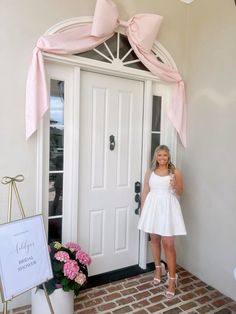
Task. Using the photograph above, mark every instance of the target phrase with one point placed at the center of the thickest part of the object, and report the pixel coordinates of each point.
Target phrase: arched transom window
(116, 50)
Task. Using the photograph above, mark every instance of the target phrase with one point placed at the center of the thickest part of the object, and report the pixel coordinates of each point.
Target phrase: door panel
(107, 227)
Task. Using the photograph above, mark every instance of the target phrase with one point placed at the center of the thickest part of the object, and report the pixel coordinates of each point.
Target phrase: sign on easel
(24, 256)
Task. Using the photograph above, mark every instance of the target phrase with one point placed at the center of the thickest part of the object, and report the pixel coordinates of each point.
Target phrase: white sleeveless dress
(161, 213)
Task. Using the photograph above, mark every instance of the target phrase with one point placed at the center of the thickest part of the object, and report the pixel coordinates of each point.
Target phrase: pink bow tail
(177, 111)
(36, 93)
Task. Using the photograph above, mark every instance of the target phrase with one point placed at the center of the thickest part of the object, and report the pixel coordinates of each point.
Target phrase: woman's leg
(169, 248)
(156, 253)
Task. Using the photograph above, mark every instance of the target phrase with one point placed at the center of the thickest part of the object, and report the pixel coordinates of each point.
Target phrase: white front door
(111, 113)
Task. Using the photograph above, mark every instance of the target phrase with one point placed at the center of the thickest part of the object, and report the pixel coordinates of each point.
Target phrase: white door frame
(152, 86)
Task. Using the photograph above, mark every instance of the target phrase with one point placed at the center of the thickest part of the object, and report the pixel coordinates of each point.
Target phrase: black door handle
(137, 190)
(137, 199)
(137, 187)
(112, 142)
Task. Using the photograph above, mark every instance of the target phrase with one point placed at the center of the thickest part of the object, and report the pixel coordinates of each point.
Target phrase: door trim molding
(152, 85)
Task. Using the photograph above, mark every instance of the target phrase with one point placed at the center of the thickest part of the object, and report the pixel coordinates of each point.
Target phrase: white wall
(21, 24)
(208, 163)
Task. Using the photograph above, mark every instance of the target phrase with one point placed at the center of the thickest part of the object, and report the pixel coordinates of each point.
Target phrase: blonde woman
(161, 214)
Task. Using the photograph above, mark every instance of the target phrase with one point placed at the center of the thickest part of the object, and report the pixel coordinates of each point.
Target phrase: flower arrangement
(69, 266)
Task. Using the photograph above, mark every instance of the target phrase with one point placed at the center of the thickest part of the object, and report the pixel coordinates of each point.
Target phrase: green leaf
(57, 266)
(66, 288)
(76, 291)
(50, 286)
(65, 281)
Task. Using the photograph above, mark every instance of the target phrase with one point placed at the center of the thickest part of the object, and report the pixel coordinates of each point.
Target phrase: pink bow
(143, 28)
(141, 31)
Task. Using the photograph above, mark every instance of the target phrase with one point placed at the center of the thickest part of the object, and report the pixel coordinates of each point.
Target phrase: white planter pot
(62, 302)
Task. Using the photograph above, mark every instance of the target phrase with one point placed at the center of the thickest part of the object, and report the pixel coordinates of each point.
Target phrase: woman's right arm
(146, 187)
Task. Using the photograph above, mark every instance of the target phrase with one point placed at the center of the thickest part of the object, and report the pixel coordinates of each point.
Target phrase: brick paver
(139, 295)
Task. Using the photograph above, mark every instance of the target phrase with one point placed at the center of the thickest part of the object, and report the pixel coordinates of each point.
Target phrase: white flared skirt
(162, 215)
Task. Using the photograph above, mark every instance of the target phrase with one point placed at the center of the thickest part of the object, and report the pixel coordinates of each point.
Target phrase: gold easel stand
(12, 186)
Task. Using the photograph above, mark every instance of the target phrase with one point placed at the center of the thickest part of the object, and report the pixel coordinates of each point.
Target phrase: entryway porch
(138, 295)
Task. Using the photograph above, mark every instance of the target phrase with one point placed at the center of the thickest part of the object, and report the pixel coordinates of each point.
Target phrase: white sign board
(24, 256)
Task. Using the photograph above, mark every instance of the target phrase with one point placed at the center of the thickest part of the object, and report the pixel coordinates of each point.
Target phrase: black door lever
(137, 190)
(112, 142)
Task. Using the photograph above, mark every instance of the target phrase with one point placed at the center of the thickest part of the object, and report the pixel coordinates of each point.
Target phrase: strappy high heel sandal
(156, 280)
(170, 294)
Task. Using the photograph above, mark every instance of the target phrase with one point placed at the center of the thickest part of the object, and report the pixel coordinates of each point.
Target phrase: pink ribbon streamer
(141, 31)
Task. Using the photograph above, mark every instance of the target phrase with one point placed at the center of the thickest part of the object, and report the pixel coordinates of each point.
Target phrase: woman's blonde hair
(154, 165)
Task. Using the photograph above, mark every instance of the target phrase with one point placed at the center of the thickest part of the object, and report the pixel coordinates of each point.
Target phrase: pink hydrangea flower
(71, 269)
(80, 278)
(62, 256)
(83, 257)
(73, 246)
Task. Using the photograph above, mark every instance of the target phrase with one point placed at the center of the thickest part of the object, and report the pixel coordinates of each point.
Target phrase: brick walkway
(139, 295)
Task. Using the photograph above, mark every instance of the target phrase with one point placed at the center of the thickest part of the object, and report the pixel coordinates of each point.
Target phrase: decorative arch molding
(71, 23)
